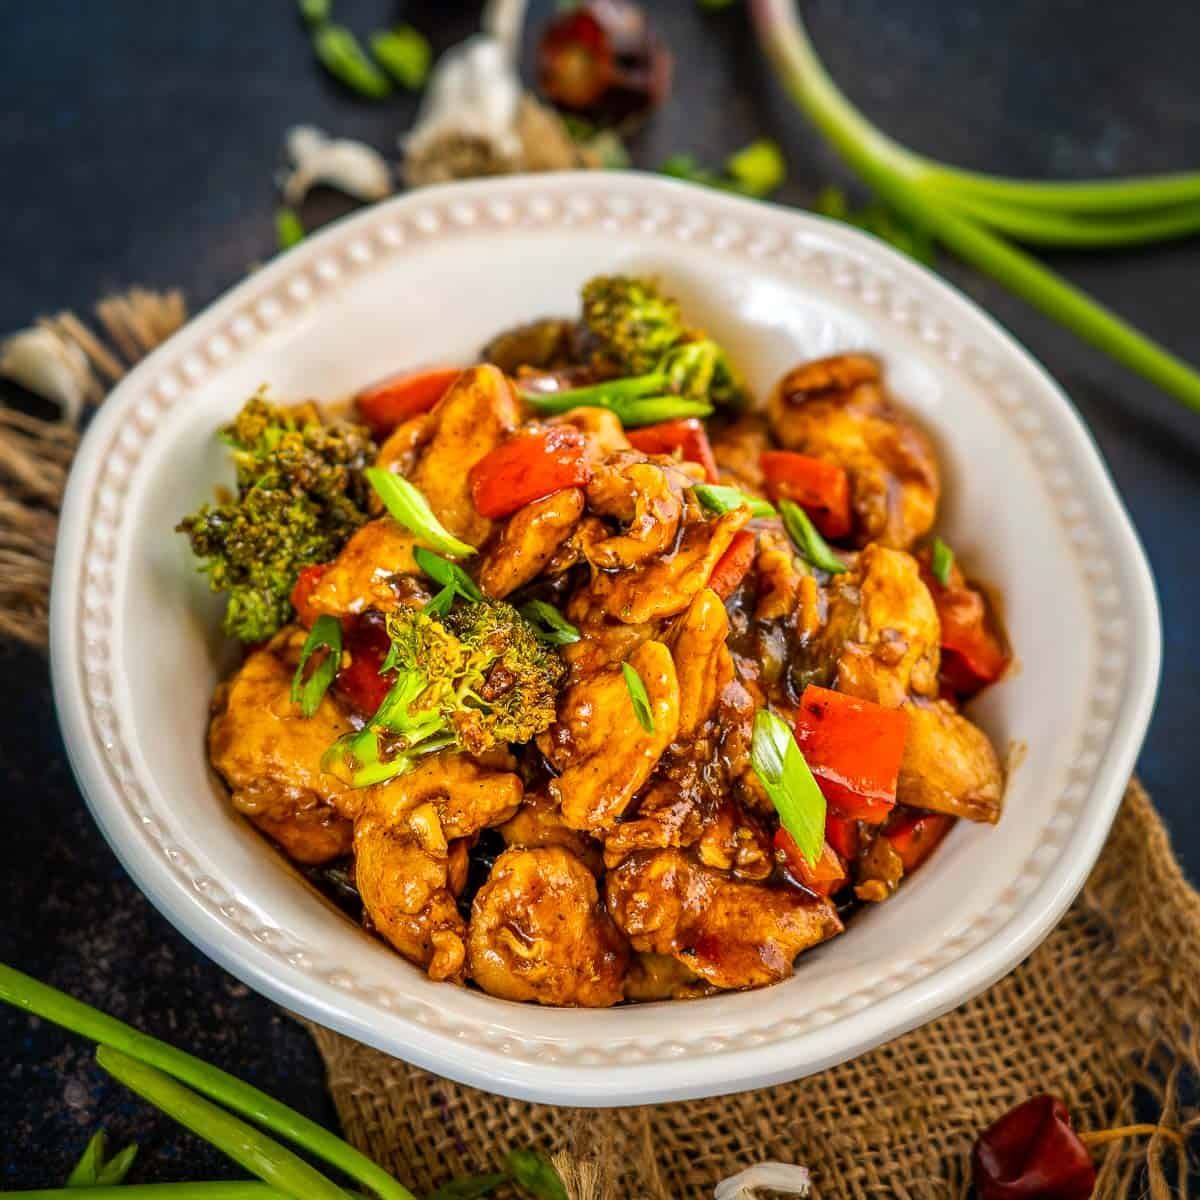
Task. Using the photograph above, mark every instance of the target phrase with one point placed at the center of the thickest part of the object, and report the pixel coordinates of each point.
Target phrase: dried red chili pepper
(1032, 1153)
(602, 61)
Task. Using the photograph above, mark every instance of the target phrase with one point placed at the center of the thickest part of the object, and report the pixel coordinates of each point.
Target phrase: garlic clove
(787, 1178)
(51, 366)
(352, 167)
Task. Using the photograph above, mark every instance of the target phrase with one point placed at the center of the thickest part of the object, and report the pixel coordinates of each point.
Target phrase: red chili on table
(1032, 1153)
(527, 468)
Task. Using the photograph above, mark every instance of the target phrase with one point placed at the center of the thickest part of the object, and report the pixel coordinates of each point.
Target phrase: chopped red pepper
(915, 835)
(687, 436)
(527, 468)
(821, 488)
(1032, 1153)
(732, 566)
(842, 834)
(391, 401)
(306, 583)
(360, 681)
(853, 748)
(824, 877)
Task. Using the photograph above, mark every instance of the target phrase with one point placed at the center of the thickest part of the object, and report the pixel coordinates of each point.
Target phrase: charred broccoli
(300, 494)
(475, 680)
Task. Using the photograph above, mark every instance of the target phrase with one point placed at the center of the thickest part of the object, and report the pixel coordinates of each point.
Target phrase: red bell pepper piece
(305, 585)
(842, 834)
(389, 402)
(732, 566)
(824, 877)
(687, 436)
(527, 468)
(360, 682)
(821, 488)
(1032, 1153)
(853, 748)
(915, 835)
(973, 651)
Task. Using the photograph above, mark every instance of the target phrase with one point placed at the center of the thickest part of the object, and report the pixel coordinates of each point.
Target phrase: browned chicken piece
(468, 796)
(603, 754)
(402, 869)
(364, 574)
(733, 934)
(528, 541)
(780, 576)
(270, 756)
(539, 932)
(665, 585)
(603, 641)
(399, 452)
(478, 412)
(574, 550)
(644, 498)
(702, 661)
(949, 765)
(732, 840)
(660, 977)
(605, 433)
(539, 822)
(738, 449)
(836, 409)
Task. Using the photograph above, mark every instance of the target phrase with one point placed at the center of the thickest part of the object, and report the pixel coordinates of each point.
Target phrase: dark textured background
(138, 142)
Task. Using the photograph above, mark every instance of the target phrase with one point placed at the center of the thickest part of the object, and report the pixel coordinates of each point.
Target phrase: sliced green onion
(468, 1187)
(405, 54)
(341, 55)
(535, 1174)
(411, 509)
(718, 498)
(633, 413)
(549, 624)
(639, 697)
(439, 606)
(758, 169)
(314, 12)
(941, 560)
(789, 783)
(288, 229)
(635, 401)
(94, 1169)
(248, 1147)
(807, 540)
(325, 634)
(448, 574)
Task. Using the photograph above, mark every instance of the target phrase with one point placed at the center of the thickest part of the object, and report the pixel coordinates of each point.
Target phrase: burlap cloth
(1105, 1013)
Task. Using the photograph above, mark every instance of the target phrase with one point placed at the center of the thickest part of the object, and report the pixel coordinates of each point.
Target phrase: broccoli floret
(478, 680)
(301, 493)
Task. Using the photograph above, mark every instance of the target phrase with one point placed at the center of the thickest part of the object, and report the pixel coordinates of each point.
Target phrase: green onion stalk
(968, 211)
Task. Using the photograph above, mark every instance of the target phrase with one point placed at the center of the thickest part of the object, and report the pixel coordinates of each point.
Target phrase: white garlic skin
(49, 366)
(352, 167)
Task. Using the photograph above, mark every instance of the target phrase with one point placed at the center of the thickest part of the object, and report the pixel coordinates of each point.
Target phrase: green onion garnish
(341, 55)
(315, 12)
(757, 169)
(405, 54)
(439, 606)
(549, 624)
(325, 634)
(94, 1170)
(412, 510)
(288, 229)
(807, 540)
(639, 697)
(789, 783)
(449, 575)
(720, 499)
(941, 560)
(634, 401)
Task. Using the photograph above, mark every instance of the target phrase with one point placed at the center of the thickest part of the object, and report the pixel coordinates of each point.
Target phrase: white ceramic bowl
(427, 278)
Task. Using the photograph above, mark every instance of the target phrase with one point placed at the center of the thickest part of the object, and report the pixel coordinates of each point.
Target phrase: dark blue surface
(138, 143)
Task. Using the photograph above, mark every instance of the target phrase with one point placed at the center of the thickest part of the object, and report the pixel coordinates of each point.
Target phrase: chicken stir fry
(590, 679)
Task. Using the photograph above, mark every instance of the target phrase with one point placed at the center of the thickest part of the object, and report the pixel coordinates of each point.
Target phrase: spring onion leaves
(449, 575)
(468, 1187)
(411, 509)
(288, 229)
(340, 54)
(720, 499)
(638, 697)
(807, 540)
(405, 54)
(549, 624)
(326, 634)
(315, 12)
(789, 783)
(756, 170)
(440, 605)
(95, 1170)
(535, 1174)
(941, 562)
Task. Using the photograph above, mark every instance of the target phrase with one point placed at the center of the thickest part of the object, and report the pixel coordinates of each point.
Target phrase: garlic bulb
(352, 167)
(787, 1178)
(51, 366)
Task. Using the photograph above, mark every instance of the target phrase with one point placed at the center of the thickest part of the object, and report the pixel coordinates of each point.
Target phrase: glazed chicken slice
(732, 934)
(270, 755)
(538, 932)
(949, 765)
(365, 573)
(738, 450)
(703, 664)
(539, 822)
(601, 751)
(648, 503)
(836, 409)
(528, 541)
(478, 412)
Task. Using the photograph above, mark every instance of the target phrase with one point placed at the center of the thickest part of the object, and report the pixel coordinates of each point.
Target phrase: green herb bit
(807, 540)
(95, 1170)
(789, 783)
(440, 605)
(639, 697)
(411, 509)
(468, 1187)
(326, 634)
(314, 12)
(941, 561)
(288, 229)
(720, 499)
(758, 169)
(879, 220)
(450, 575)
(341, 55)
(535, 1173)
(549, 624)
(405, 54)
